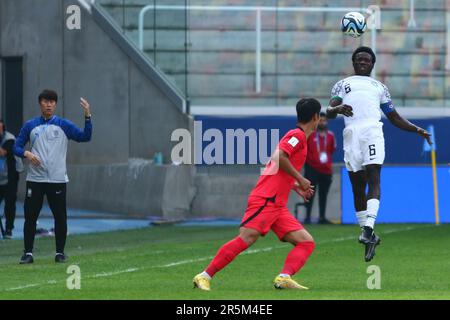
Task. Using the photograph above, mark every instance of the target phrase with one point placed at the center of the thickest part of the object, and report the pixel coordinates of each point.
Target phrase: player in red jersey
(266, 208)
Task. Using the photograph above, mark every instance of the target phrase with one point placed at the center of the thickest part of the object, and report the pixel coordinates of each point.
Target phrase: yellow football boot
(287, 283)
(202, 282)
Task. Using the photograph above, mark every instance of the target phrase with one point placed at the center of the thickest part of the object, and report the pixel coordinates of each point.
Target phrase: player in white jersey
(361, 99)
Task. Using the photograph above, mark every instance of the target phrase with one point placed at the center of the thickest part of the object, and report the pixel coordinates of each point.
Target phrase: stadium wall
(132, 117)
(139, 189)
(134, 189)
(222, 191)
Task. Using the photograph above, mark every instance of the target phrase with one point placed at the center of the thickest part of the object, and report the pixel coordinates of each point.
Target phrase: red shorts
(263, 215)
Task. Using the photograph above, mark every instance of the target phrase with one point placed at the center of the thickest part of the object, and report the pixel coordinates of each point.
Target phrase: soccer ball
(353, 24)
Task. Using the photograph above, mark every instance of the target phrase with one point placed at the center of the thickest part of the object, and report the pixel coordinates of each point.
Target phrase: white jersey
(365, 95)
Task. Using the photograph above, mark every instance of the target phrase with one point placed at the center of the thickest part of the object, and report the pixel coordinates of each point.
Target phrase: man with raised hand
(48, 136)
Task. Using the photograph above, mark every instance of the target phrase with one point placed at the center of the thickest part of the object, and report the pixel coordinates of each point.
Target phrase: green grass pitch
(160, 262)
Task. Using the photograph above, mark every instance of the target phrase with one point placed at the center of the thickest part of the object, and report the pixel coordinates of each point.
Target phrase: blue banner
(406, 195)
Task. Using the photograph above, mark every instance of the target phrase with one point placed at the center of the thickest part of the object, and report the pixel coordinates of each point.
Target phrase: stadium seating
(303, 54)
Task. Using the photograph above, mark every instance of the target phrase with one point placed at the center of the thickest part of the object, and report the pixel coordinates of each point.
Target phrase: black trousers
(34, 198)
(322, 183)
(9, 193)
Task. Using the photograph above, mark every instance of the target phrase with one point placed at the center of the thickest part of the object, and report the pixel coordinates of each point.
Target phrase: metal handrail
(86, 4)
(372, 10)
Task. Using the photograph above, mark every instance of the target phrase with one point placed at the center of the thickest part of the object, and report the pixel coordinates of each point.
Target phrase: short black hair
(48, 94)
(306, 109)
(364, 49)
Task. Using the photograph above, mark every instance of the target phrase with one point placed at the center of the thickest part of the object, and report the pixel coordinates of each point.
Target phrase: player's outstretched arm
(397, 120)
(336, 107)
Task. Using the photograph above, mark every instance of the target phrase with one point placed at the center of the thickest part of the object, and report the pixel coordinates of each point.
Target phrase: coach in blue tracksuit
(48, 136)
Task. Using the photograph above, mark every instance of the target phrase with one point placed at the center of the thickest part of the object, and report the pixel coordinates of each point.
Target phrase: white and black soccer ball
(353, 24)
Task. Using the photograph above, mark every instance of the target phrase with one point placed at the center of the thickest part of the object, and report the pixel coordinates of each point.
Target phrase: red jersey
(276, 183)
(320, 152)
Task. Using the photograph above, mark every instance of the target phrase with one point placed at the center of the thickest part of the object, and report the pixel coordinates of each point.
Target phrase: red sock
(297, 257)
(226, 254)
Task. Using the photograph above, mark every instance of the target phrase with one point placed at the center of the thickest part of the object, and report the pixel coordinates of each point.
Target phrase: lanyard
(318, 141)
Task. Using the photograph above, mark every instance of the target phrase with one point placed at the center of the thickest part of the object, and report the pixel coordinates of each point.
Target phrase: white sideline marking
(23, 287)
(338, 239)
(251, 251)
(173, 264)
(404, 229)
(109, 274)
(177, 263)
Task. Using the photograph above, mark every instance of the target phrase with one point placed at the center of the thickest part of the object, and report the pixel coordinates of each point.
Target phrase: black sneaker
(26, 259)
(60, 258)
(366, 235)
(307, 221)
(325, 221)
(370, 247)
(8, 234)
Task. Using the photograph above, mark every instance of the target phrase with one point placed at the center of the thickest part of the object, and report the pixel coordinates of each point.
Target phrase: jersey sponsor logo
(293, 141)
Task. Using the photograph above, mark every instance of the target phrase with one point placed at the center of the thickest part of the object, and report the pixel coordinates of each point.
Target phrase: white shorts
(363, 145)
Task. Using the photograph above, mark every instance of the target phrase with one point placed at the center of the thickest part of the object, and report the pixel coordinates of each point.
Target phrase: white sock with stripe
(372, 211)
(362, 218)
